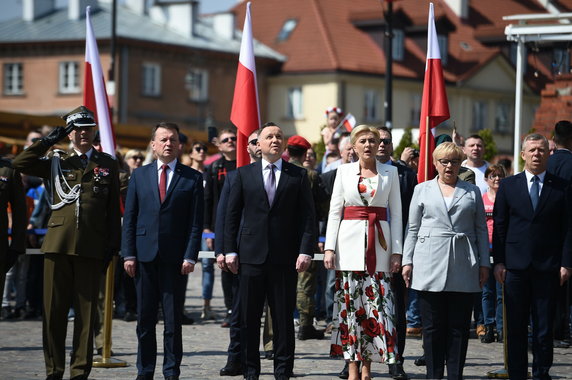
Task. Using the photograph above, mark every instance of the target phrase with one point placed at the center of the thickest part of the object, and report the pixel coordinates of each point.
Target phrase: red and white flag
(245, 114)
(346, 125)
(434, 105)
(94, 93)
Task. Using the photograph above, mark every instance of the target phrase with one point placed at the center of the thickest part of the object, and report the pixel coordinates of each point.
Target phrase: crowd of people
(399, 258)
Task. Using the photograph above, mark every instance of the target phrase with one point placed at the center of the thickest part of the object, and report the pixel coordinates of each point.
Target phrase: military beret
(80, 117)
(299, 141)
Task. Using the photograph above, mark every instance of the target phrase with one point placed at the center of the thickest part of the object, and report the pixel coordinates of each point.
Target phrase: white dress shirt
(540, 176)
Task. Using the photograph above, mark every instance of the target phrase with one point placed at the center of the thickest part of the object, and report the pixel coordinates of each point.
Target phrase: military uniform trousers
(69, 280)
(306, 289)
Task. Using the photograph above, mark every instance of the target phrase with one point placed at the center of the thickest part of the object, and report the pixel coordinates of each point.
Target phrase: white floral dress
(364, 318)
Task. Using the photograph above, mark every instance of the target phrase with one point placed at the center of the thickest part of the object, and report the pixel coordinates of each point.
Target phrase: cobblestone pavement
(205, 343)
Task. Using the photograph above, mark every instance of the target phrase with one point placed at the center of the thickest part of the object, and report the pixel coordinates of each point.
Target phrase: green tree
(406, 141)
(490, 145)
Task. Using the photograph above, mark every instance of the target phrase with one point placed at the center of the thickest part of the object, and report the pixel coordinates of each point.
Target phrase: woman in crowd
(446, 259)
(364, 247)
(492, 292)
(134, 159)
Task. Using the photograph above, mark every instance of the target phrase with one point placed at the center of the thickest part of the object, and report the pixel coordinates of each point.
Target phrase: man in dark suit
(161, 239)
(560, 164)
(271, 211)
(84, 230)
(407, 182)
(532, 249)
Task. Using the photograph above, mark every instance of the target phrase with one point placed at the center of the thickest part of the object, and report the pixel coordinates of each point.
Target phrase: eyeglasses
(493, 176)
(385, 141)
(445, 162)
(225, 140)
(138, 158)
(200, 149)
(253, 141)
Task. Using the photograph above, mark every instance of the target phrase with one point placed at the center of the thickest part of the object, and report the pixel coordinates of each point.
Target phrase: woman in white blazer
(363, 243)
(446, 259)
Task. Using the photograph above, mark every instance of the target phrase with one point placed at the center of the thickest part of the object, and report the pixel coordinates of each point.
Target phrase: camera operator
(83, 232)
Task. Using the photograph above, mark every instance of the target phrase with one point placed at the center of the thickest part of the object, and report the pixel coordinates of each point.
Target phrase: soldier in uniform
(306, 287)
(83, 233)
(11, 191)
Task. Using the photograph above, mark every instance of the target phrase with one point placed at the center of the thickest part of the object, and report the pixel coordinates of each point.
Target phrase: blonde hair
(363, 128)
(134, 152)
(448, 149)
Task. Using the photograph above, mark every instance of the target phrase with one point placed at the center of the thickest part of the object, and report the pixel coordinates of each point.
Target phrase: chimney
(33, 9)
(223, 24)
(76, 8)
(460, 7)
(137, 6)
(182, 17)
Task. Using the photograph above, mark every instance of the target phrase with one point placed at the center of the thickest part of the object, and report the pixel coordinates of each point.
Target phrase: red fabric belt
(373, 215)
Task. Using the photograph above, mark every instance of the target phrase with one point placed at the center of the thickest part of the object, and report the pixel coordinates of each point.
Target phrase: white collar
(88, 153)
(171, 164)
(278, 164)
(529, 176)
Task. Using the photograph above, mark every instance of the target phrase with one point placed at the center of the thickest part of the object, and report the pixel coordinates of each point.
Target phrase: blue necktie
(270, 185)
(535, 191)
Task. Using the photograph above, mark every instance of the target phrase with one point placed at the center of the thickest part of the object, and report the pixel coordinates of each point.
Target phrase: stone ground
(205, 343)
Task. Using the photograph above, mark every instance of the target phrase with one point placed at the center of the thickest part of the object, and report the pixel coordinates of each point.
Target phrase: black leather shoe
(187, 320)
(345, 373)
(269, 355)
(396, 372)
(55, 377)
(489, 336)
(80, 377)
(420, 361)
(144, 377)
(130, 316)
(309, 332)
(231, 369)
(172, 377)
(251, 377)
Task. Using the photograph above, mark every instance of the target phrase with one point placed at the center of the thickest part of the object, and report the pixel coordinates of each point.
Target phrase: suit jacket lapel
(525, 193)
(174, 180)
(382, 176)
(435, 193)
(460, 191)
(544, 193)
(284, 177)
(154, 180)
(254, 174)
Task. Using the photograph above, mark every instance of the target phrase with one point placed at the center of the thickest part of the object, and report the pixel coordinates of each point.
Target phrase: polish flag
(245, 113)
(94, 93)
(349, 122)
(434, 105)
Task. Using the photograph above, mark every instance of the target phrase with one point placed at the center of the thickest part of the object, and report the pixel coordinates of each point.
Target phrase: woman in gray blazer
(446, 259)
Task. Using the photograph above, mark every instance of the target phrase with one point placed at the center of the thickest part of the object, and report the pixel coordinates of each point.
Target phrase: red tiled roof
(327, 39)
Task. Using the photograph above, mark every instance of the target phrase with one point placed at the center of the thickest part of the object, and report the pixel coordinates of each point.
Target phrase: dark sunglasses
(200, 149)
(138, 158)
(253, 141)
(385, 141)
(225, 140)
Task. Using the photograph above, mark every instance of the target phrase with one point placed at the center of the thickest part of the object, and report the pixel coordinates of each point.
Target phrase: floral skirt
(364, 318)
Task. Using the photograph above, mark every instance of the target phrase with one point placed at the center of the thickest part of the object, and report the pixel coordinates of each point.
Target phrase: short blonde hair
(363, 128)
(448, 149)
(133, 152)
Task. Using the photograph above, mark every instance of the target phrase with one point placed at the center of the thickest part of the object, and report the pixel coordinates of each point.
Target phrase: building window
(370, 109)
(443, 47)
(502, 118)
(69, 78)
(287, 29)
(151, 81)
(415, 110)
(397, 46)
(294, 109)
(13, 79)
(561, 61)
(197, 83)
(479, 115)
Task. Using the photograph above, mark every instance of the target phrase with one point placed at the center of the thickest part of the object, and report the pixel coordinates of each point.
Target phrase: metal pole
(518, 104)
(389, 66)
(111, 72)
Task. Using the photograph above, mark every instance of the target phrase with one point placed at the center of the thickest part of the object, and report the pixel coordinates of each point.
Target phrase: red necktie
(163, 182)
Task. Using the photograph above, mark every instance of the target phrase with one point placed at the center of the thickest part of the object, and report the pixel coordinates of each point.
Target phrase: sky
(13, 8)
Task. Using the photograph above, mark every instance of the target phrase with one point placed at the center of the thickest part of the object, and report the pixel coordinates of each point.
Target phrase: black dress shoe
(232, 368)
(269, 355)
(309, 332)
(187, 320)
(251, 377)
(420, 361)
(144, 377)
(130, 316)
(345, 373)
(396, 372)
(55, 377)
(100, 352)
(172, 377)
(80, 377)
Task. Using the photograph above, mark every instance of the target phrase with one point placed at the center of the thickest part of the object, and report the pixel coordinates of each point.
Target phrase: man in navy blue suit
(271, 211)
(532, 248)
(162, 228)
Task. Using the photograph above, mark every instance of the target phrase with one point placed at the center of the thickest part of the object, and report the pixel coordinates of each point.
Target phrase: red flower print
(381, 352)
(362, 188)
(344, 333)
(360, 314)
(382, 329)
(372, 193)
(352, 339)
(346, 285)
(382, 290)
(338, 284)
(347, 299)
(371, 327)
(375, 313)
(344, 314)
(369, 292)
(335, 350)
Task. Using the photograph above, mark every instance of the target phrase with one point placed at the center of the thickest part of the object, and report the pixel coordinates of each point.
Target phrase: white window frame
(150, 79)
(13, 78)
(370, 105)
(503, 121)
(69, 77)
(197, 83)
(295, 103)
(398, 48)
(443, 41)
(480, 115)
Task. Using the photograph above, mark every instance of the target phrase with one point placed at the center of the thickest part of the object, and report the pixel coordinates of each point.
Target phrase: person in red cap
(297, 147)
